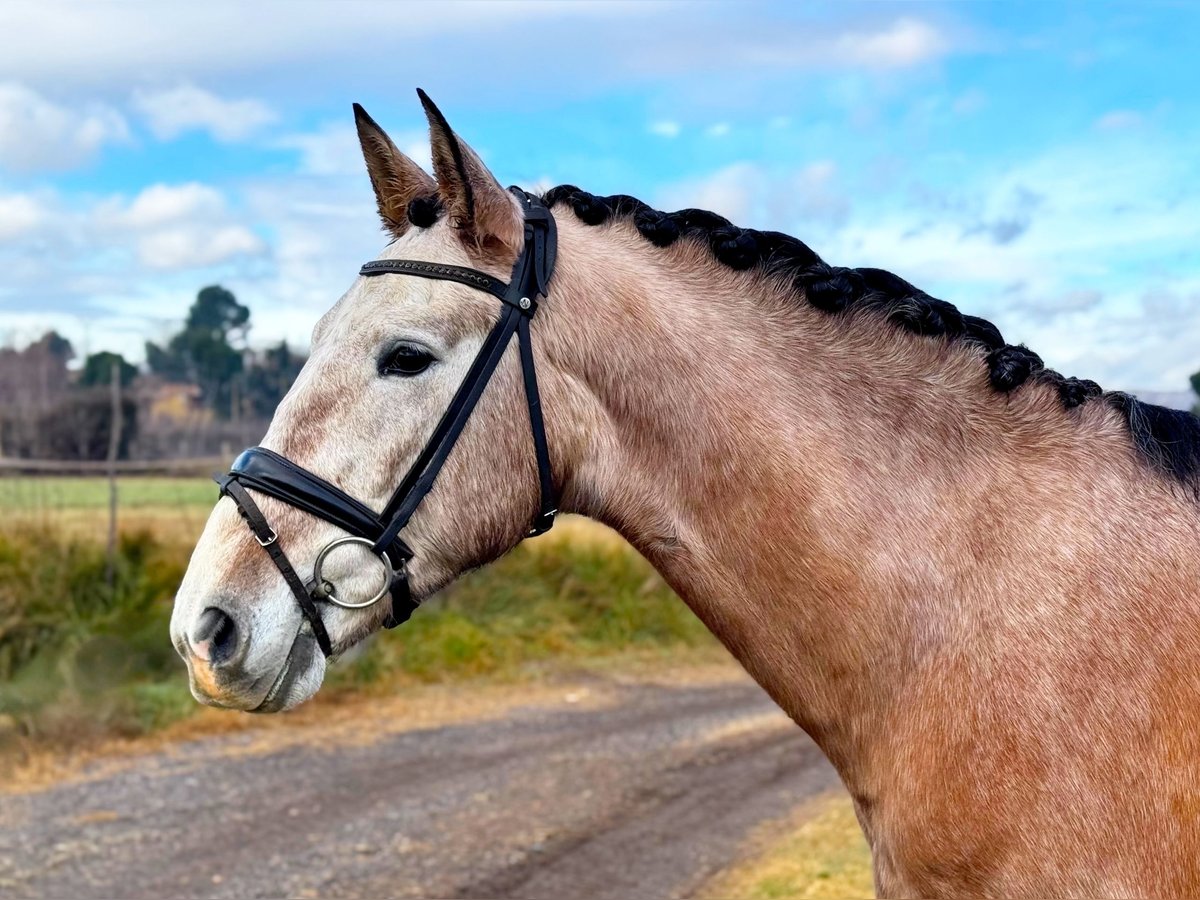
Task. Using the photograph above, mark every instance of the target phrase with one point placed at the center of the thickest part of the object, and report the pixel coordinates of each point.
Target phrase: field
(173, 510)
(169, 495)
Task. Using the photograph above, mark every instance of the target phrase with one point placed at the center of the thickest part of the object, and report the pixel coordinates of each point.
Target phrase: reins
(266, 472)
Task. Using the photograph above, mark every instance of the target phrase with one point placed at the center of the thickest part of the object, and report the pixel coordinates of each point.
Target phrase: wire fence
(170, 499)
(98, 461)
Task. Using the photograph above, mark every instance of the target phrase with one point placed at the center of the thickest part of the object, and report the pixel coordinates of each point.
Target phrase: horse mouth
(298, 661)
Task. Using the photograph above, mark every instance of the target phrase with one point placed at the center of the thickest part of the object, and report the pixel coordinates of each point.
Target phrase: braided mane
(1167, 439)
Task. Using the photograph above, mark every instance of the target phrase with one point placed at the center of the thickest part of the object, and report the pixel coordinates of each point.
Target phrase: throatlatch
(266, 472)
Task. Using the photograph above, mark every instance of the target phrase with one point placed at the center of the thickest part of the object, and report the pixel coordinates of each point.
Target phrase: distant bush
(67, 639)
(54, 596)
(80, 426)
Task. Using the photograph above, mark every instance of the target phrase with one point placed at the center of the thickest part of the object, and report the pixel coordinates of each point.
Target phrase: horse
(973, 581)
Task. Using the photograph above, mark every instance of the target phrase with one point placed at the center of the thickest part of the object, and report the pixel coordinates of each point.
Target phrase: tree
(164, 362)
(203, 352)
(217, 312)
(39, 372)
(32, 381)
(269, 377)
(1195, 380)
(97, 370)
(79, 426)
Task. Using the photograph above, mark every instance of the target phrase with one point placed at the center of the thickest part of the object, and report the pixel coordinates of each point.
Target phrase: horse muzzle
(227, 669)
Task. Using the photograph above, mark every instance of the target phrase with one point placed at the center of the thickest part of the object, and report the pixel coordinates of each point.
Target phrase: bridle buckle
(268, 540)
(543, 523)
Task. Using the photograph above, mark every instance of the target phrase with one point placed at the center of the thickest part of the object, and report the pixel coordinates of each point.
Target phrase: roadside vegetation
(81, 660)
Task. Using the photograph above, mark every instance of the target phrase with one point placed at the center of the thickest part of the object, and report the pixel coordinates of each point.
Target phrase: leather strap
(481, 281)
(531, 270)
(549, 505)
(270, 542)
(404, 604)
(424, 472)
(268, 472)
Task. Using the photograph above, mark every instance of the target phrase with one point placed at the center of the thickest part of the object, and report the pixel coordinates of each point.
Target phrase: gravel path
(646, 796)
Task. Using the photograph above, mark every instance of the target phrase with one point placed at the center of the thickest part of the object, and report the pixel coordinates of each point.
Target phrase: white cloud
(115, 44)
(102, 254)
(905, 42)
(1078, 300)
(195, 247)
(279, 46)
(20, 214)
(898, 44)
(333, 150)
(753, 196)
(174, 111)
(174, 227)
(717, 129)
(161, 204)
(1082, 252)
(1108, 225)
(815, 195)
(664, 128)
(322, 230)
(39, 135)
(730, 192)
(1132, 342)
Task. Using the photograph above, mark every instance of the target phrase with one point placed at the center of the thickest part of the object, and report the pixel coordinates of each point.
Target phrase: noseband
(266, 472)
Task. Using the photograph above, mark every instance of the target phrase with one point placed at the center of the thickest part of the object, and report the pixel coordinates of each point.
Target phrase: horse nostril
(215, 635)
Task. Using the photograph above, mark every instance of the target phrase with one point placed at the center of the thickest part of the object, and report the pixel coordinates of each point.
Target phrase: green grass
(78, 660)
(575, 596)
(32, 494)
(73, 649)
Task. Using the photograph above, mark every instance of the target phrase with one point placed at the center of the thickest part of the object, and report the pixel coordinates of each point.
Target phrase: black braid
(1170, 439)
(1010, 367)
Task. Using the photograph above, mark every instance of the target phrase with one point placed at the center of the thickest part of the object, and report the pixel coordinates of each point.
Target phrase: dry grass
(172, 526)
(819, 853)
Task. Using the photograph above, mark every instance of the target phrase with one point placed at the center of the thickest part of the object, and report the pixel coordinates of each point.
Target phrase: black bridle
(266, 472)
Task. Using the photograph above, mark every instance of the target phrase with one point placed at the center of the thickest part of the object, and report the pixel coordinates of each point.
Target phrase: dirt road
(645, 794)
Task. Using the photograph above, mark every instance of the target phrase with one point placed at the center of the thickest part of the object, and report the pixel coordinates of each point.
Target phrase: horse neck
(835, 499)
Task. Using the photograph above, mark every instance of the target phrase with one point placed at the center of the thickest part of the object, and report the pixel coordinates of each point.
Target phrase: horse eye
(406, 360)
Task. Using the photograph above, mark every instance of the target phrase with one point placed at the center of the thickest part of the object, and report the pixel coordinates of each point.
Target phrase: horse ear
(397, 180)
(485, 214)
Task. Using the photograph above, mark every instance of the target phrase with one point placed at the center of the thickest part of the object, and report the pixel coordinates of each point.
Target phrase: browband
(470, 277)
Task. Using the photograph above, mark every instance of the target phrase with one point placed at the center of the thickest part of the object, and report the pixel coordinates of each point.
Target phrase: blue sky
(1034, 163)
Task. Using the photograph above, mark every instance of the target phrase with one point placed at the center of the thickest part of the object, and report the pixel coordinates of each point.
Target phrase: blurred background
(182, 196)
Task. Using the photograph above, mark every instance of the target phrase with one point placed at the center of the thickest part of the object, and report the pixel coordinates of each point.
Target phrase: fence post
(114, 446)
